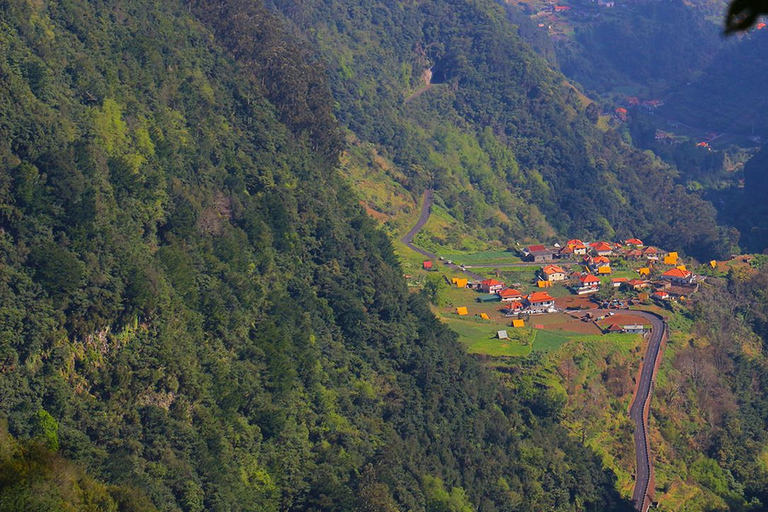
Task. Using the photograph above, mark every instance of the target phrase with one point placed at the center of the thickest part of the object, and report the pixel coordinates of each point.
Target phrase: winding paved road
(640, 408)
(426, 209)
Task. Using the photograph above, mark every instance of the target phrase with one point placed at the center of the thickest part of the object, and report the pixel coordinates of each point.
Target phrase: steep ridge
(192, 303)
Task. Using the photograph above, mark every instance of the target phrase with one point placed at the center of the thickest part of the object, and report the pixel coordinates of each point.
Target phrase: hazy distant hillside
(729, 95)
(647, 46)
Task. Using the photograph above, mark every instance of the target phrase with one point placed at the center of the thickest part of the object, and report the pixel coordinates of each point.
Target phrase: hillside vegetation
(498, 131)
(196, 314)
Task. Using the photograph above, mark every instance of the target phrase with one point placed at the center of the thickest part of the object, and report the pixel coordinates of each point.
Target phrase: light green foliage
(441, 500)
(47, 428)
(110, 127)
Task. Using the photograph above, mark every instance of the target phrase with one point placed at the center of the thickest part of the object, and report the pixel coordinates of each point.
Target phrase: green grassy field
(483, 258)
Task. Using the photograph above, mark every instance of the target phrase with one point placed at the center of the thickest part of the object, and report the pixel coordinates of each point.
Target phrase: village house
(512, 308)
(661, 295)
(601, 261)
(554, 273)
(616, 282)
(491, 286)
(540, 302)
(427, 265)
(588, 284)
(637, 284)
(679, 276)
(636, 242)
(634, 328)
(577, 246)
(580, 250)
(509, 295)
(538, 253)
(601, 248)
(651, 253)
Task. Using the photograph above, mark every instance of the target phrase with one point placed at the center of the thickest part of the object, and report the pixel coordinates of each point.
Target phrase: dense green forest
(195, 312)
(498, 130)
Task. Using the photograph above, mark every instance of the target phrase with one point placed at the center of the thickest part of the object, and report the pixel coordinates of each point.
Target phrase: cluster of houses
(516, 302)
(594, 260)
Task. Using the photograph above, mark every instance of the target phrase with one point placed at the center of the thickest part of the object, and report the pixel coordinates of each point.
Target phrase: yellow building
(518, 323)
(645, 271)
(671, 259)
(462, 311)
(460, 282)
(484, 316)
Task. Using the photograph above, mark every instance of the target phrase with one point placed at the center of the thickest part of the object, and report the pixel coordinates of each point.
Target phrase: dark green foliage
(192, 303)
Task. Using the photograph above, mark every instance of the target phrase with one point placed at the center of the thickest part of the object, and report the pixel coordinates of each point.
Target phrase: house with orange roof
(651, 253)
(540, 302)
(597, 263)
(601, 248)
(637, 284)
(660, 295)
(588, 284)
(574, 242)
(512, 308)
(554, 273)
(678, 276)
(634, 241)
(509, 295)
(491, 286)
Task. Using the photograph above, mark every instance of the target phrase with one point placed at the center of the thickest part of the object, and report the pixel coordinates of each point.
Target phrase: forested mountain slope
(498, 130)
(195, 311)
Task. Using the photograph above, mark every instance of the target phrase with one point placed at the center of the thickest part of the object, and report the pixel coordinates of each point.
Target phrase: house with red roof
(634, 254)
(491, 286)
(554, 273)
(574, 242)
(588, 284)
(538, 253)
(660, 295)
(540, 302)
(634, 241)
(509, 295)
(678, 276)
(562, 8)
(427, 265)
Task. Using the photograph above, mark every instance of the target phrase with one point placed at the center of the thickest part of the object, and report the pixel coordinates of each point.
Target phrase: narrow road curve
(640, 409)
(426, 210)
